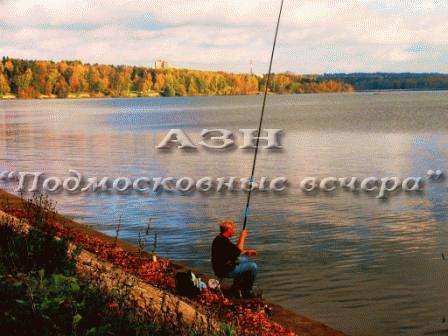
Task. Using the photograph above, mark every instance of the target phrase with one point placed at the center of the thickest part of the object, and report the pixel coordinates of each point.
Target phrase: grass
(248, 318)
(41, 294)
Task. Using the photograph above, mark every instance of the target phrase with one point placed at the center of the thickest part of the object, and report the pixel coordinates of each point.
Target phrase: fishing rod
(268, 80)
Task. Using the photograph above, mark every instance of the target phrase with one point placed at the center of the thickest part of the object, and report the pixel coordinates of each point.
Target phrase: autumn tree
(160, 81)
(76, 80)
(29, 79)
(94, 80)
(180, 89)
(121, 81)
(144, 83)
(4, 85)
(61, 88)
(169, 91)
(22, 81)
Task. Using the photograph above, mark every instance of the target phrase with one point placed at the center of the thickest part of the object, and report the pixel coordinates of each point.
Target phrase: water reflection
(357, 263)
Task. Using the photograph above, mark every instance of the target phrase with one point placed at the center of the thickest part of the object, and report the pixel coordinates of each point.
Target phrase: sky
(316, 36)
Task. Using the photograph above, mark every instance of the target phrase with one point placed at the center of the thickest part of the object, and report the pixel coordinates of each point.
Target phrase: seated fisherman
(231, 261)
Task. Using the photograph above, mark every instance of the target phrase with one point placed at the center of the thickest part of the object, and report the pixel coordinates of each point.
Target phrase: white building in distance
(161, 64)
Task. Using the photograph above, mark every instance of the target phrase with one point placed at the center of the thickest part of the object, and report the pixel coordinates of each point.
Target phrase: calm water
(361, 265)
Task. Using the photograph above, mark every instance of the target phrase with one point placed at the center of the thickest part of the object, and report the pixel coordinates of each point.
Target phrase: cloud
(315, 35)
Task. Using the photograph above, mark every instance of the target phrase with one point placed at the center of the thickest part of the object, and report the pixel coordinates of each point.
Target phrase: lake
(359, 264)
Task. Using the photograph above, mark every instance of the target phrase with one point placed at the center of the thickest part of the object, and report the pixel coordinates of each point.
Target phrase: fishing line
(268, 80)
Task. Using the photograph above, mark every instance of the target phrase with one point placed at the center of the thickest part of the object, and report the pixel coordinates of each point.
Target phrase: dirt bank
(131, 260)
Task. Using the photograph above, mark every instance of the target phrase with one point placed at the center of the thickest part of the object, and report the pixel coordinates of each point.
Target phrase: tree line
(37, 79)
(391, 81)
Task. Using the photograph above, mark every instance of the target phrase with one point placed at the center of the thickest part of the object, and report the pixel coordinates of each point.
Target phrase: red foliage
(249, 316)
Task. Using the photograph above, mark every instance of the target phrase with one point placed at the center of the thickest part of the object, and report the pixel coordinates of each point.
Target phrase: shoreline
(155, 95)
(288, 319)
(99, 97)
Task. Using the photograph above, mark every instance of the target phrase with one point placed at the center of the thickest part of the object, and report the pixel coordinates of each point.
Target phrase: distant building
(161, 64)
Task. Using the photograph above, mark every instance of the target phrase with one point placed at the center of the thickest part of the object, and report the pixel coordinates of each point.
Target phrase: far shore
(134, 95)
(80, 96)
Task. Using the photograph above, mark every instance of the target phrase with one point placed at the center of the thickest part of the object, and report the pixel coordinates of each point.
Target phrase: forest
(391, 81)
(48, 79)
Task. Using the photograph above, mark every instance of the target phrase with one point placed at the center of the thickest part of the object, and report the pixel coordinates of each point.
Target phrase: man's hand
(242, 238)
(250, 253)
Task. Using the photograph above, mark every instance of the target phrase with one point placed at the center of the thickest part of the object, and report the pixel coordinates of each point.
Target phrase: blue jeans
(244, 273)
